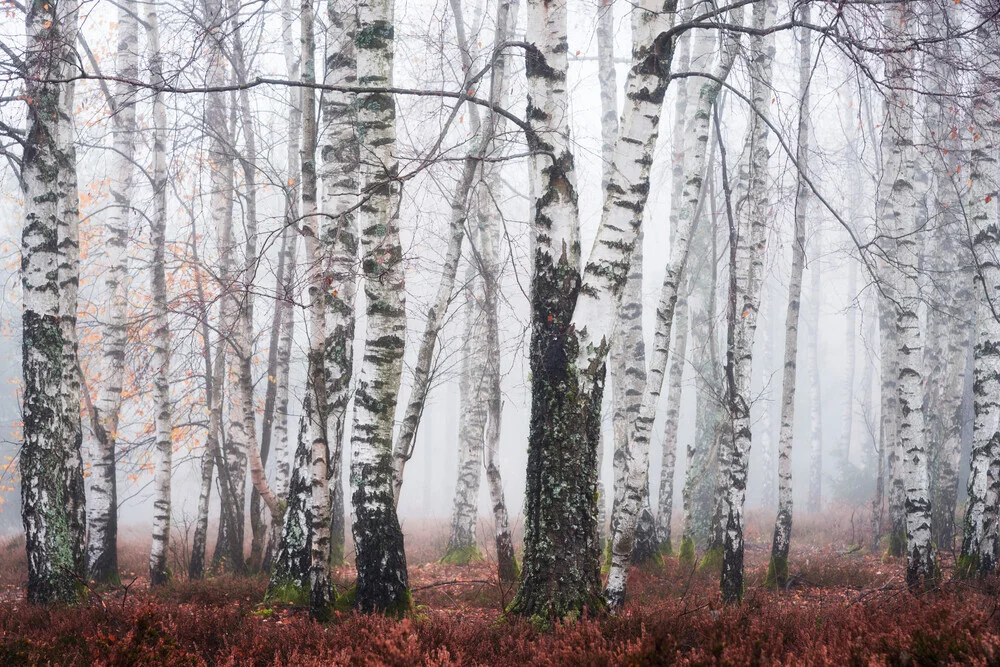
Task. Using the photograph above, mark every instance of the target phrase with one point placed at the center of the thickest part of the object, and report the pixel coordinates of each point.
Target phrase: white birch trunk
(815, 498)
(637, 468)
(747, 270)
(52, 493)
(777, 571)
(382, 582)
(102, 515)
(159, 571)
(320, 587)
(979, 543)
(276, 421)
(897, 207)
(339, 172)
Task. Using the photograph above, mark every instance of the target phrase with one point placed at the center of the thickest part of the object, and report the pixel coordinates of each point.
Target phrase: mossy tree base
(712, 560)
(462, 555)
(777, 573)
(687, 556)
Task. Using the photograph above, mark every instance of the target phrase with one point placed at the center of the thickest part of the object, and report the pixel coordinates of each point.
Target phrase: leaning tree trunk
(637, 469)
(52, 493)
(382, 583)
(979, 542)
(159, 571)
(897, 205)
(462, 544)
(102, 515)
(340, 155)
(777, 569)
(574, 315)
(747, 257)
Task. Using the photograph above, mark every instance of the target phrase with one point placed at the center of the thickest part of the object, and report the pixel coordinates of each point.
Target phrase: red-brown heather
(845, 606)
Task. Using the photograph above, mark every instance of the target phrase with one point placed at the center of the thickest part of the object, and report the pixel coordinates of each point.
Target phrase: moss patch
(462, 556)
(687, 555)
(712, 560)
(777, 572)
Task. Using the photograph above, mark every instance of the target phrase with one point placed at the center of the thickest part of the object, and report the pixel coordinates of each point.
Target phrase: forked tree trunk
(275, 422)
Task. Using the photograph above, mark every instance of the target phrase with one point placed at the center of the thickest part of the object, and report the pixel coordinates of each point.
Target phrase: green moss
(288, 592)
(712, 560)
(345, 602)
(606, 561)
(777, 572)
(336, 553)
(897, 543)
(687, 555)
(666, 549)
(966, 566)
(462, 555)
(402, 607)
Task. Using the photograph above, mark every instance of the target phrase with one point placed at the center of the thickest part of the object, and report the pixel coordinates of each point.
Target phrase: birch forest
(499, 332)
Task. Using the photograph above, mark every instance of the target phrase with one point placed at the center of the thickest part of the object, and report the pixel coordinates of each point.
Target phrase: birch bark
(52, 494)
(897, 206)
(340, 155)
(382, 583)
(979, 542)
(777, 569)
(102, 517)
(159, 571)
(745, 299)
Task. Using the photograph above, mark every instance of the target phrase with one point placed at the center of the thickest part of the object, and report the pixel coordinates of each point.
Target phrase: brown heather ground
(845, 607)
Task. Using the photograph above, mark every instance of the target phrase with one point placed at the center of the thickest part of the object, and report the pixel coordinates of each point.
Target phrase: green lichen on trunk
(561, 569)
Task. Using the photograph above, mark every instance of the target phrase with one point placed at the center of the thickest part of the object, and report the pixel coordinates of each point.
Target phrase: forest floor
(845, 605)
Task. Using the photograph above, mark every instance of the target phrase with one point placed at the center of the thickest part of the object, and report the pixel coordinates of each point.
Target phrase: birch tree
(159, 571)
(382, 583)
(897, 207)
(339, 172)
(320, 587)
(979, 542)
(623, 540)
(746, 269)
(102, 516)
(777, 569)
(52, 493)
